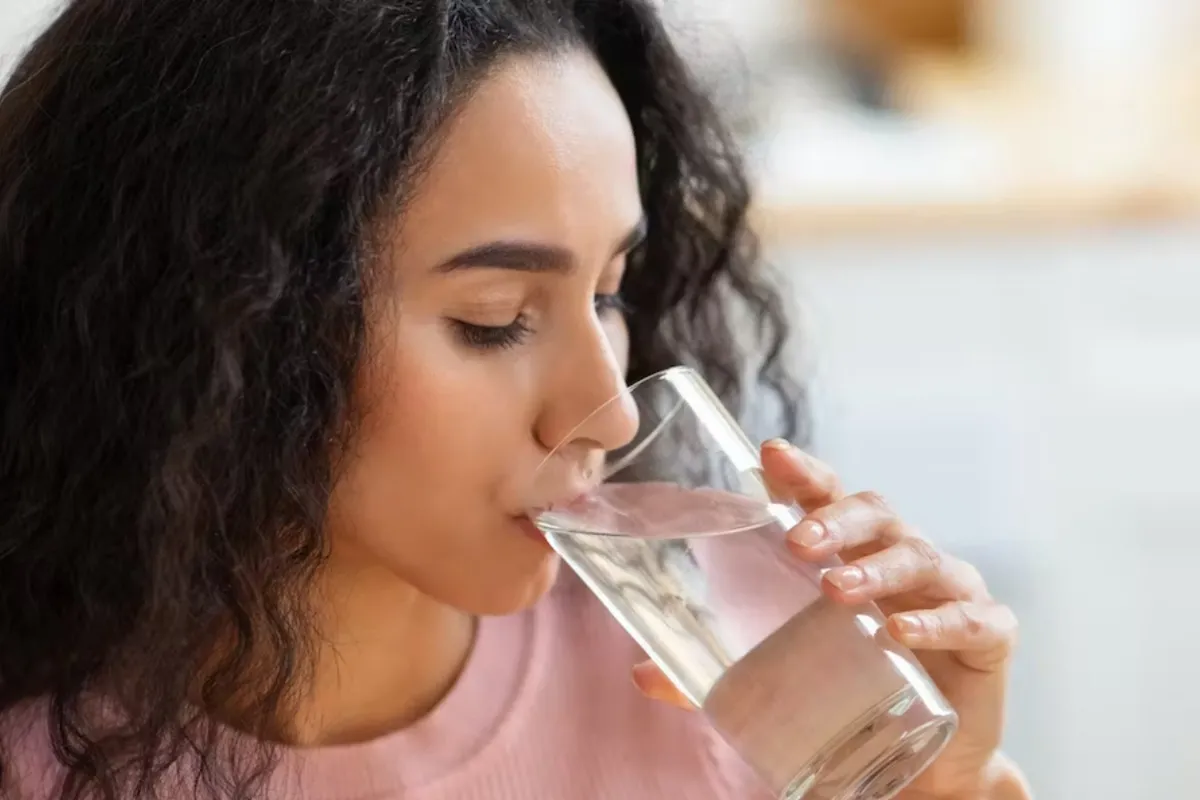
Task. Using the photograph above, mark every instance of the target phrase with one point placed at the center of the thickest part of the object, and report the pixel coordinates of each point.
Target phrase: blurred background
(988, 213)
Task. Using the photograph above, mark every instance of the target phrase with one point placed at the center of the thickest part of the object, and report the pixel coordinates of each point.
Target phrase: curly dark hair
(187, 194)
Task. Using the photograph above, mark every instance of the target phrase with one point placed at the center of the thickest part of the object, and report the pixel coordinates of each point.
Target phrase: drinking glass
(678, 534)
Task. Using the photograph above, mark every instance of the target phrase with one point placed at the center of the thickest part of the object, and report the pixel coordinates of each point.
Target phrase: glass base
(879, 754)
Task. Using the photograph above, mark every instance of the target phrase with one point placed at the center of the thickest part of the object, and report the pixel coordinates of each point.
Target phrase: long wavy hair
(187, 194)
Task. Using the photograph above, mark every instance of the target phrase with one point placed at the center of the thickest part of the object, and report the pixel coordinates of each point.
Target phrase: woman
(294, 296)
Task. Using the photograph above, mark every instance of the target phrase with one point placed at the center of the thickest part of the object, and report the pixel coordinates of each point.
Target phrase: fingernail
(909, 624)
(654, 685)
(643, 677)
(847, 578)
(810, 533)
(787, 450)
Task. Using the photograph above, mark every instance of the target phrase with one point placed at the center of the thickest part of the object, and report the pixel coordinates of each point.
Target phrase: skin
(523, 219)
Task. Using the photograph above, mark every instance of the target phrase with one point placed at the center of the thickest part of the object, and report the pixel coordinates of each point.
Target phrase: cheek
(429, 491)
(443, 421)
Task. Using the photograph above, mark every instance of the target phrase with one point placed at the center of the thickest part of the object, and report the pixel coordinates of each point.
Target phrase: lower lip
(532, 531)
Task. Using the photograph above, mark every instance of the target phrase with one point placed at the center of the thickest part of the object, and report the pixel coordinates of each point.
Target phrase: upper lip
(558, 500)
(565, 485)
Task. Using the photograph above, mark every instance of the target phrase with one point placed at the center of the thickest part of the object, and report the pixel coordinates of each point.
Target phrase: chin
(515, 594)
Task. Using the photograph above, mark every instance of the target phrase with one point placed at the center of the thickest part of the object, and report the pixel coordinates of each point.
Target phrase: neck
(387, 655)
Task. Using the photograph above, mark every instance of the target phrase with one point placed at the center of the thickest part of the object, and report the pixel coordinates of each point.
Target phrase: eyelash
(501, 337)
(493, 337)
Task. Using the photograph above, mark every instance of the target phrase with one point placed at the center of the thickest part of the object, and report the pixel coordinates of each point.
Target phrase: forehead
(543, 149)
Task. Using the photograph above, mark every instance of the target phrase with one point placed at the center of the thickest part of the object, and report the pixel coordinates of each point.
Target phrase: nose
(587, 407)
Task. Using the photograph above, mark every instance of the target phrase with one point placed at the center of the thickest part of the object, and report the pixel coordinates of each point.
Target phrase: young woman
(294, 297)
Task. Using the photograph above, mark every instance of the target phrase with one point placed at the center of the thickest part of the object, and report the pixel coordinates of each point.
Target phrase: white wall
(19, 22)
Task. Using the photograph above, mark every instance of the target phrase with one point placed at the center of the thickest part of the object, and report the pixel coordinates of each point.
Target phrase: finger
(793, 475)
(911, 565)
(982, 636)
(852, 522)
(651, 682)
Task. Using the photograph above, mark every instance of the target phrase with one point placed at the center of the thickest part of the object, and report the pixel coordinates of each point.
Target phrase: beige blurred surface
(1055, 157)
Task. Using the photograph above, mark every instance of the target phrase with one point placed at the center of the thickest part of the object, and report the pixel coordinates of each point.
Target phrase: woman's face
(496, 331)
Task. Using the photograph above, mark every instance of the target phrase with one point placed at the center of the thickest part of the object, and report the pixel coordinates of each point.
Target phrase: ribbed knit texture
(544, 710)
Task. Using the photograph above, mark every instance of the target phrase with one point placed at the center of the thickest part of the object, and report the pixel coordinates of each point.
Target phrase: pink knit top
(544, 710)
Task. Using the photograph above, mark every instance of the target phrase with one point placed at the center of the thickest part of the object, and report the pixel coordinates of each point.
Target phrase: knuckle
(890, 575)
(896, 566)
(970, 620)
(925, 552)
(894, 531)
(877, 575)
(826, 479)
(874, 500)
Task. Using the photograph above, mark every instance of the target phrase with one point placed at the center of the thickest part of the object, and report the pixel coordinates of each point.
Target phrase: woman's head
(285, 286)
(494, 327)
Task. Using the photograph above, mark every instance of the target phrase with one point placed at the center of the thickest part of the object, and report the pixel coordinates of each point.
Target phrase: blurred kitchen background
(989, 215)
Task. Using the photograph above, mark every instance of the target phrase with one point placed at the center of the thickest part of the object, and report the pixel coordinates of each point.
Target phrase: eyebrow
(531, 256)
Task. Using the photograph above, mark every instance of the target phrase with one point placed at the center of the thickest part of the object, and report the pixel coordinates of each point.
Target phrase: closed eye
(500, 337)
(493, 337)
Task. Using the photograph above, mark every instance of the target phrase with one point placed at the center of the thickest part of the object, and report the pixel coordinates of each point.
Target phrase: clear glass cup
(677, 534)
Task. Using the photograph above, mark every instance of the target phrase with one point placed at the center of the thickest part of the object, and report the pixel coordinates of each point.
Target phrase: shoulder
(31, 770)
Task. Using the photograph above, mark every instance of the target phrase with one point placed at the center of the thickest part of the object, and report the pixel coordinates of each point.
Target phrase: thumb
(651, 682)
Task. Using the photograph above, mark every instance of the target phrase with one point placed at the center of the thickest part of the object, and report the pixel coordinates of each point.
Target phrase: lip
(531, 530)
(561, 500)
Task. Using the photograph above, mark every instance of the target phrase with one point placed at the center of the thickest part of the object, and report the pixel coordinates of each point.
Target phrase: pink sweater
(544, 710)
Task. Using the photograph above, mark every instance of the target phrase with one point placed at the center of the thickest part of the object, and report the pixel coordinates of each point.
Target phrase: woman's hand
(936, 605)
